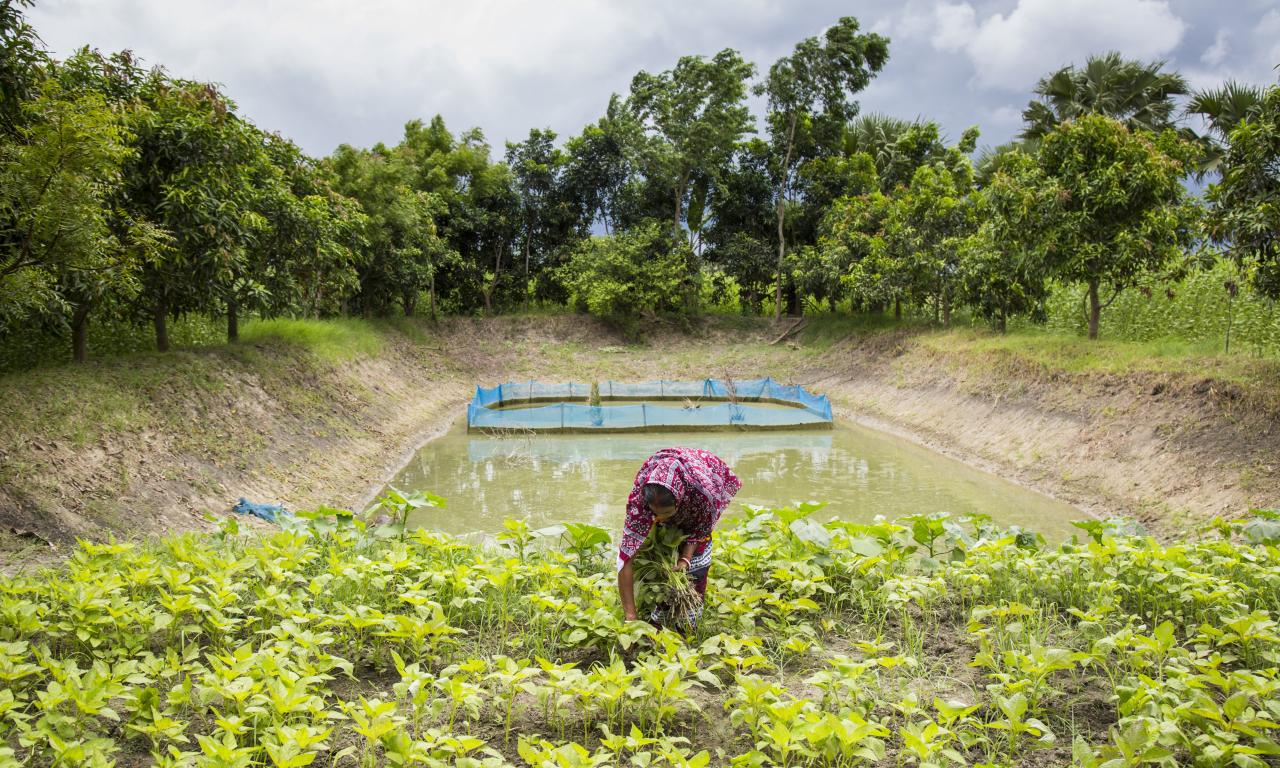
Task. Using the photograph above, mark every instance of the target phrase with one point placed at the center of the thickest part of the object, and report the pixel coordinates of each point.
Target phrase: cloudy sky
(325, 72)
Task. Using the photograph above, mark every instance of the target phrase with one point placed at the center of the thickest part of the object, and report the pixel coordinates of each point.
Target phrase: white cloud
(1216, 53)
(324, 71)
(1266, 36)
(1006, 117)
(1251, 59)
(479, 62)
(954, 26)
(1013, 51)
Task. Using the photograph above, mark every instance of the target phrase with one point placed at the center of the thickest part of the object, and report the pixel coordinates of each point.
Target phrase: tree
(875, 134)
(920, 144)
(57, 251)
(856, 226)
(926, 227)
(1223, 109)
(536, 166)
(599, 164)
(1244, 215)
(478, 221)
(1123, 212)
(195, 173)
(825, 73)
(739, 239)
(1138, 94)
(698, 112)
(22, 61)
(308, 251)
(401, 248)
(1004, 265)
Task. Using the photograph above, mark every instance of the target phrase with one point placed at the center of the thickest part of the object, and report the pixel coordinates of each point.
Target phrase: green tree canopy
(697, 110)
(1004, 265)
(1244, 214)
(810, 98)
(1124, 213)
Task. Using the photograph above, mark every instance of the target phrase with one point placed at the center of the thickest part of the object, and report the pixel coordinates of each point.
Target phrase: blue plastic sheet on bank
(272, 513)
(704, 404)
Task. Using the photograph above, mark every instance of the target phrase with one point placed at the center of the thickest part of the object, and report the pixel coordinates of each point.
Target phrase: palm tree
(875, 134)
(1223, 109)
(990, 160)
(882, 137)
(1136, 93)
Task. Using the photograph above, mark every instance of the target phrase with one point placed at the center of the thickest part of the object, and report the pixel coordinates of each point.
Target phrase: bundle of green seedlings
(659, 583)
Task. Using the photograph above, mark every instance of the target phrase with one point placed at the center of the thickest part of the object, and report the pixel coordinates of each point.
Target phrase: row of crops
(926, 642)
(1206, 308)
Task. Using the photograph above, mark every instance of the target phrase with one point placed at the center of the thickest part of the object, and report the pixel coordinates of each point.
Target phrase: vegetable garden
(928, 641)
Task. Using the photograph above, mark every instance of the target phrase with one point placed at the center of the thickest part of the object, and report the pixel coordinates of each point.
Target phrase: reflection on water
(862, 473)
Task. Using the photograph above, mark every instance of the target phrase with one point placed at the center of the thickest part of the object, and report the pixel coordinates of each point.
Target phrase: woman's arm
(627, 590)
(685, 554)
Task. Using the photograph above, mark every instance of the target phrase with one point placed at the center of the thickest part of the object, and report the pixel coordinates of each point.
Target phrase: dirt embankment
(150, 444)
(1169, 449)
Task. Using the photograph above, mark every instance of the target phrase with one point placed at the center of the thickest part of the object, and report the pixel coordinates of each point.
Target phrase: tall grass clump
(1197, 311)
(335, 339)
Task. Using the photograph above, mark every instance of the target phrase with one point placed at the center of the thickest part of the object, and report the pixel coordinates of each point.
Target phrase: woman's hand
(683, 564)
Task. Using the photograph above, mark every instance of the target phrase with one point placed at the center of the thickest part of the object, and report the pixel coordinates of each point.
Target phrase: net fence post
(644, 415)
(562, 417)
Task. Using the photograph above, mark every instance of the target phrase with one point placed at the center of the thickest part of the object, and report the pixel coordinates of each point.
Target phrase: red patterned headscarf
(703, 486)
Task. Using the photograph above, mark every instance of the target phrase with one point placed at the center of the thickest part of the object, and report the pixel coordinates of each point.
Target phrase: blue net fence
(706, 404)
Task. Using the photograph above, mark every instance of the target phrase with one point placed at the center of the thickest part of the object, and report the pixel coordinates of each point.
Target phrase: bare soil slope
(148, 444)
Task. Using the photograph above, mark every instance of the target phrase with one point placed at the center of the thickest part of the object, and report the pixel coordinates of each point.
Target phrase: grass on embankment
(333, 340)
(1058, 352)
(1073, 354)
(83, 402)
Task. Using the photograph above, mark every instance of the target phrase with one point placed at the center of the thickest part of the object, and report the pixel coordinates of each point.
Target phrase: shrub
(629, 277)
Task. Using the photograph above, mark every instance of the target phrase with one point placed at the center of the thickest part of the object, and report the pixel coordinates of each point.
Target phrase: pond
(861, 473)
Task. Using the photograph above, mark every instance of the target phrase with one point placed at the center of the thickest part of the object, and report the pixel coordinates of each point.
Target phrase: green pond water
(861, 473)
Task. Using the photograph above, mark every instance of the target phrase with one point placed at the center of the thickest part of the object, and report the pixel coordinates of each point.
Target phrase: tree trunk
(526, 273)
(233, 321)
(433, 294)
(897, 308)
(782, 212)
(160, 319)
(80, 334)
(1003, 323)
(493, 284)
(684, 181)
(409, 300)
(946, 308)
(793, 301)
(1095, 309)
